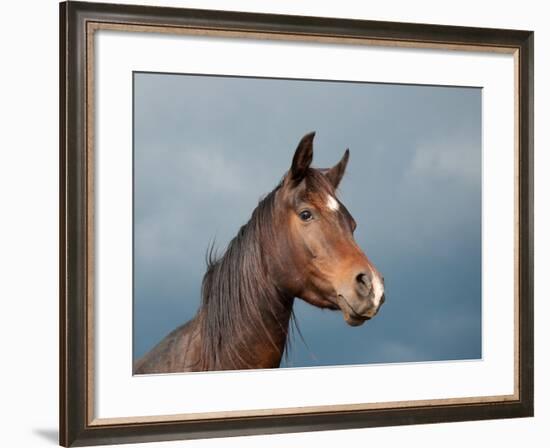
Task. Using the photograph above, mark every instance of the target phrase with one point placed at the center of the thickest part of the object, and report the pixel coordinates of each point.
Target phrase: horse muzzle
(356, 314)
(362, 301)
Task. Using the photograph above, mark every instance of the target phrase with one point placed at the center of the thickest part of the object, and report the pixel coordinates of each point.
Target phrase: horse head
(315, 256)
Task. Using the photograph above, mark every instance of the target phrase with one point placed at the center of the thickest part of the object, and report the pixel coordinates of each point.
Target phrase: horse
(298, 243)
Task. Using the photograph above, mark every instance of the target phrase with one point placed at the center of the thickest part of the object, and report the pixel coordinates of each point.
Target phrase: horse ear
(336, 173)
(302, 158)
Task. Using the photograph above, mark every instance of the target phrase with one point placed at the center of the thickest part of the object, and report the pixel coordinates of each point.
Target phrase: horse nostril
(361, 278)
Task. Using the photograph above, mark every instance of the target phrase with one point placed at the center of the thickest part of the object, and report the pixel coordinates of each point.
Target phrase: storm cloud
(207, 148)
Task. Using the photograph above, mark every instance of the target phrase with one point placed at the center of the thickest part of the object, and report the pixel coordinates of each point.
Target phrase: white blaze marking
(332, 203)
(377, 289)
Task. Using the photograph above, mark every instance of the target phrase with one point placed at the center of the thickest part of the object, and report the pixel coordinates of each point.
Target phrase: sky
(207, 148)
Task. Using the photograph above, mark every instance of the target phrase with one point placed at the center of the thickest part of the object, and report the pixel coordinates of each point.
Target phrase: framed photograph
(277, 223)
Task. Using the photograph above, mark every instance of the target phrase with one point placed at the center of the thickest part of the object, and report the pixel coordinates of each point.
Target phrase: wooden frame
(78, 22)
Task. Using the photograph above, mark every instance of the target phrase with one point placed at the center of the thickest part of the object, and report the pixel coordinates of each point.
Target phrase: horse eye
(305, 215)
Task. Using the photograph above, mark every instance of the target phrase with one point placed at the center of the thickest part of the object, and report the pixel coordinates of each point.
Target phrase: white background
(28, 237)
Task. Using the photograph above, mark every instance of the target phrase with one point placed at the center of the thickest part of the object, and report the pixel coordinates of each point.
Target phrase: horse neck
(244, 318)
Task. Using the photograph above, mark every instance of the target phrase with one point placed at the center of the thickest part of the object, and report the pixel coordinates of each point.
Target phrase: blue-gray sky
(207, 148)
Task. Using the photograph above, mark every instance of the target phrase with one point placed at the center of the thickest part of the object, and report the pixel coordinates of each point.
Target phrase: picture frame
(79, 22)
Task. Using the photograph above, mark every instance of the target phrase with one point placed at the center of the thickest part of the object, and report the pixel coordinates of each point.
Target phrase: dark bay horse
(298, 243)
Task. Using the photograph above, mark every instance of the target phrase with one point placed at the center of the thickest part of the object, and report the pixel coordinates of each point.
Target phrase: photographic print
(301, 223)
(255, 206)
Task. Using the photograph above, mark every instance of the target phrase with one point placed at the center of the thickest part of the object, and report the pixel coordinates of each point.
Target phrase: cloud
(206, 149)
(398, 351)
(451, 159)
(214, 171)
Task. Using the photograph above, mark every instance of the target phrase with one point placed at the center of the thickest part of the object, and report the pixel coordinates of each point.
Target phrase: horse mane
(238, 298)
